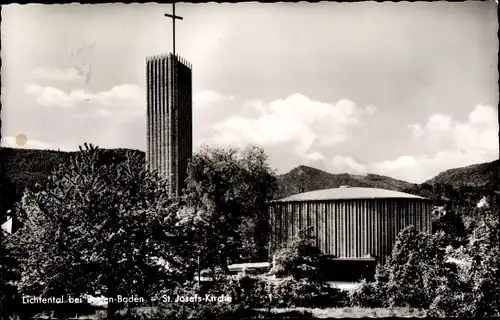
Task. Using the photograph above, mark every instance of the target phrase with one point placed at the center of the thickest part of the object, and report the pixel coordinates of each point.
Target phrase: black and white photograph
(249, 160)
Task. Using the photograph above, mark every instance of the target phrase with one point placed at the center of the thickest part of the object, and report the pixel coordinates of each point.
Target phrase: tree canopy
(97, 228)
(228, 191)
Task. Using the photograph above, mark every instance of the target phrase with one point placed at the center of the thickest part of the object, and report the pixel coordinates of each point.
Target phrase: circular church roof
(344, 193)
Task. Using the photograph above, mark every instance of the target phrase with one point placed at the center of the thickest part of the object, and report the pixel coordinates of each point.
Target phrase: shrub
(10, 298)
(450, 303)
(475, 293)
(419, 275)
(291, 293)
(182, 311)
(301, 260)
(303, 269)
(413, 274)
(251, 292)
(416, 268)
(200, 310)
(368, 294)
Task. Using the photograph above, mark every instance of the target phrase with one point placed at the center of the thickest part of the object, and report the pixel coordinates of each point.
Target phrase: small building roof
(346, 193)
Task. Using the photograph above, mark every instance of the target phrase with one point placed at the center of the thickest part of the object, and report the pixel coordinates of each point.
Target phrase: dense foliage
(98, 223)
(24, 168)
(477, 175)
(427, 271)
(302, 267)
(95, 228)
(230, 190)
(10, 300)
(250, 291)
(300, 259)
(461, 196)
(100, 227)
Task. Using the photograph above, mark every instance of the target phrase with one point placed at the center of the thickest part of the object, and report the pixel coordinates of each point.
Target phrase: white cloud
(341, 164)
(296, 121)
(209, 96)
(10, 142)
(371, 110)
(416, 130)
(461, 144)
(257, 106)
(54, 74)
(314, 156)
(478, 135)
(124, 100)
(209, 107)
(50, 96)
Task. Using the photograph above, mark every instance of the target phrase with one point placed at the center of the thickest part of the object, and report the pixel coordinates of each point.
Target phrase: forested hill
(26, 167)
(304, 178)
(477, 175)
(23, 168)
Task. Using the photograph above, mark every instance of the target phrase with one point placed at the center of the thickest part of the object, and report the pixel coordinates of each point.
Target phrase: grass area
(316, 313)
(355, 312)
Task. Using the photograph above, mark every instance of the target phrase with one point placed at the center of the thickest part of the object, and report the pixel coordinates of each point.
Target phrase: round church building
(349, 223)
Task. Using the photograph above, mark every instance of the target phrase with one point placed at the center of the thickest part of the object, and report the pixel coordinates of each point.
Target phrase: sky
(403, 89)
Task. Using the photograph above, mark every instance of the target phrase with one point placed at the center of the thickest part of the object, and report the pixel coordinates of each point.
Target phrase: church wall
(348, 228)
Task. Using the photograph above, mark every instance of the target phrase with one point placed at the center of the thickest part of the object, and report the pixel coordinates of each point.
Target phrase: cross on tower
(173, 16)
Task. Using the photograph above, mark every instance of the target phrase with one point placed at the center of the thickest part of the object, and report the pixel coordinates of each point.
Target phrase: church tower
(169, 118)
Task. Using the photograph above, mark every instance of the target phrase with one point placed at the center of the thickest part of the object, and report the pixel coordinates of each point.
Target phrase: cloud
(121, 100)
(50, 96)
(314, 157)
(209, 96)
(477, 135)
(460, 144)
(296, 121)
(438, 127)
(342, 164)
(10, 142)
(371, 110)
(54, 74)
(209, 107)
(416, 130)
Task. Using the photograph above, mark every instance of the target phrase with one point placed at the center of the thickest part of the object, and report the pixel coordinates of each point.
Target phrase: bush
(250, 292)
(419, 274)
(475, 292)
(368, 295)
(450, 303)
(300, 259)
(412, 275)
(182, 311)
(415, 270)
(202, 309)
(292, 293)
(303, 269)
(10, 298)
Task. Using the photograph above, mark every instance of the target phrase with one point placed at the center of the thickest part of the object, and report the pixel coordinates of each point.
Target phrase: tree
(98, 227)
(303, 270)
(10, 299)
(483, 253)
(425, 271)
(230, 190)
(414, 271)
(477, 294)
(300, 259)
(8, 196)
